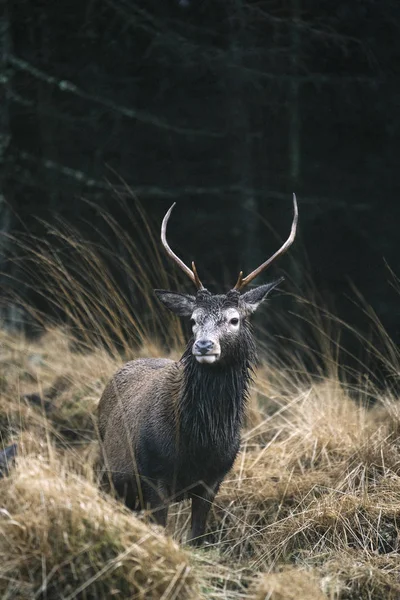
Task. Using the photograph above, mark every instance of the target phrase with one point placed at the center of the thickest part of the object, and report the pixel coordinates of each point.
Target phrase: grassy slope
(311, 508)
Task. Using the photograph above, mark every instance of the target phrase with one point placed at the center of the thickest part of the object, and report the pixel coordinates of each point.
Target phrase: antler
(192, 274)
(243, 281)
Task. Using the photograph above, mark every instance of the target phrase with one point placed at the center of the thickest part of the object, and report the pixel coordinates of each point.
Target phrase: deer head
(219, 321)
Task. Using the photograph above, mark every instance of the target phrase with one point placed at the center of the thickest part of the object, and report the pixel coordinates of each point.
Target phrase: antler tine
(192, 274)
(199, 285)
(243, 281)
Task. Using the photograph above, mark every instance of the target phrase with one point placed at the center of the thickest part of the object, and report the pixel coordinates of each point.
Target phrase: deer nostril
(204, 346)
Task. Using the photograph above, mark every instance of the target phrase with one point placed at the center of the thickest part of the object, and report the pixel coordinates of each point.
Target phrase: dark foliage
(227, 107)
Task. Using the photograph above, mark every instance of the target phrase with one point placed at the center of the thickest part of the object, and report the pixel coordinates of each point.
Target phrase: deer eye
(234, 321)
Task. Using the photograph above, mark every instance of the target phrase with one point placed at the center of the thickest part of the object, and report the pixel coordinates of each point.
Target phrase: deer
(170, 430)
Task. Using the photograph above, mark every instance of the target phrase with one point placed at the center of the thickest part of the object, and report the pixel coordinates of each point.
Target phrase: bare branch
(68, 86)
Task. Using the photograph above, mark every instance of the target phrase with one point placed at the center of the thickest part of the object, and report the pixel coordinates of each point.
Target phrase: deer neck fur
(213, 397)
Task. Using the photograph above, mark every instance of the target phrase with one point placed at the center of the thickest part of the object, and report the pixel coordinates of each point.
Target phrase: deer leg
(127, 491)
(202, 498)
(155, 498)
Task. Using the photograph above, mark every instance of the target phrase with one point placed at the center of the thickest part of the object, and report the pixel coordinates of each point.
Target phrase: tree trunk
(5, 143)
(294, 116)
(295, 122)
(246, 210)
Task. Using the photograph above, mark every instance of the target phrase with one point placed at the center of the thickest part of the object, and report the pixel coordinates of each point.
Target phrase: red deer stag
(171, 430)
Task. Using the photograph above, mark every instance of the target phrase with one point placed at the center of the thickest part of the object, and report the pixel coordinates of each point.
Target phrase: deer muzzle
(206, 351)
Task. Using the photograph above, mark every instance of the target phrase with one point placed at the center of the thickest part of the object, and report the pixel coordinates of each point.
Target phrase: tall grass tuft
(100, 286)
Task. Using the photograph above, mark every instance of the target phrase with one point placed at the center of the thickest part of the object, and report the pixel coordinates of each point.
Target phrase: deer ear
(180, 304)
(251, 300)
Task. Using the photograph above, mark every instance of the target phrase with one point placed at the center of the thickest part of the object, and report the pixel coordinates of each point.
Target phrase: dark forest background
(226, 107)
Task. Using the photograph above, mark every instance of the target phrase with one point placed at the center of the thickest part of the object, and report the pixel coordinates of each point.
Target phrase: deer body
(171, 430)
(165, 432)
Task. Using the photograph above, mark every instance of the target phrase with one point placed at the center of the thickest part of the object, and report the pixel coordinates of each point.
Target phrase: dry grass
(289, 584)
(310, 510)
(313, 501)
(63, 386)
(60, 538)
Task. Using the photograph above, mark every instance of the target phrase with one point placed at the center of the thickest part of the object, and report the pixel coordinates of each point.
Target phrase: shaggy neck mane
(213, 397)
